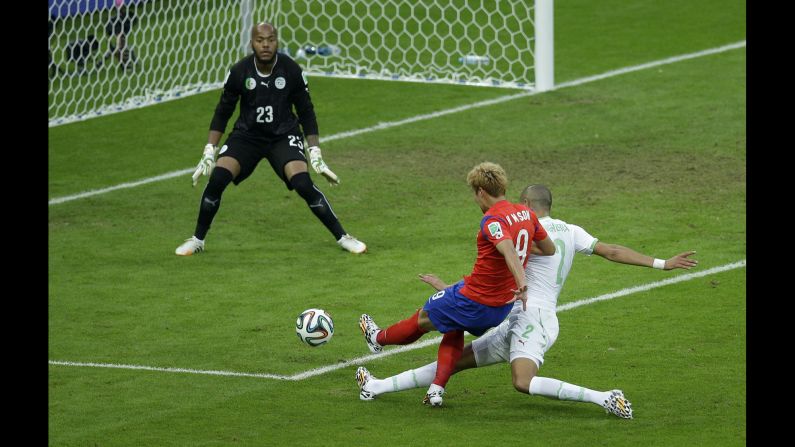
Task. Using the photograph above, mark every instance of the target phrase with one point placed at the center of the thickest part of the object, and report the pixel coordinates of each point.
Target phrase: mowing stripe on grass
(427, 116)
(411, 347)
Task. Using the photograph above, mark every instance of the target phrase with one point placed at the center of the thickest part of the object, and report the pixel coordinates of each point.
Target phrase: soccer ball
(314, 327)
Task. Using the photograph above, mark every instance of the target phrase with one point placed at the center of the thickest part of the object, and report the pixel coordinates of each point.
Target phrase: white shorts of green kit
(524, 334)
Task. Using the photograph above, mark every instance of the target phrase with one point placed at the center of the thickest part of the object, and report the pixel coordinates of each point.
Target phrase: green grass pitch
(654, 160)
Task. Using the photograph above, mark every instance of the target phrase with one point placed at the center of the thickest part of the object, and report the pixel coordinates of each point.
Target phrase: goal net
(112, 55)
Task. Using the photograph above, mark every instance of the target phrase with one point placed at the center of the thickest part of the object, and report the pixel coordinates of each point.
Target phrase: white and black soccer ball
(314, 327)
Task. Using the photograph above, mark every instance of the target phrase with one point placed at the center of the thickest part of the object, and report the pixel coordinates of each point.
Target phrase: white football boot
(434, 396)
(362, 377)
(352, 244)
(190, 246)
(370, 331)
(618, 405)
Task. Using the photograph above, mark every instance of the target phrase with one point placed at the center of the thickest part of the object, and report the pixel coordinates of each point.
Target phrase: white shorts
(524, 334)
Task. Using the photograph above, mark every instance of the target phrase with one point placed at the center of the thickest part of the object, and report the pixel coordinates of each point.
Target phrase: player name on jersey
(555, 227)
(517, 217)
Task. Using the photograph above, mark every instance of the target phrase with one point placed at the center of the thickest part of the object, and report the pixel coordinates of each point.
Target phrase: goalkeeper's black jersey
(266, 106)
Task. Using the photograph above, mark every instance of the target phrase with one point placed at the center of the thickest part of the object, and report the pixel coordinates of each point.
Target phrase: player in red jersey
(483, 298)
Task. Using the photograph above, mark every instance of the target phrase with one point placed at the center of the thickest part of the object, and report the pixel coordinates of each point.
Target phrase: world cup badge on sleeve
(496, 230)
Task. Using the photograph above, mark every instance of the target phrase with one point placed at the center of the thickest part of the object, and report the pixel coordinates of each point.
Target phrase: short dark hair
(537, 197)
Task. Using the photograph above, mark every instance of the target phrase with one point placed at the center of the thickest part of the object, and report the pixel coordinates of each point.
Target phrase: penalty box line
(405, 348)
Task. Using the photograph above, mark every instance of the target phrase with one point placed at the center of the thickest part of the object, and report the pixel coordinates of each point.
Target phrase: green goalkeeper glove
(207, 163)
(316, 160)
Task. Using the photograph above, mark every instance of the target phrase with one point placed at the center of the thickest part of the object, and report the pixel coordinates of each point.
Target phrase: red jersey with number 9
(491, 282)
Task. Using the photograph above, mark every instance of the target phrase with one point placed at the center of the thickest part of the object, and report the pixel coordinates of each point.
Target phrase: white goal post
(108, 56)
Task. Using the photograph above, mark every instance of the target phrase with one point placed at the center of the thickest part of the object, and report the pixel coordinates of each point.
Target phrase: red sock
(401, 333)
(449, 352)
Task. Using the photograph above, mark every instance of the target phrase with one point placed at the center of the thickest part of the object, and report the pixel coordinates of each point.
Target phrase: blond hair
(489, 176)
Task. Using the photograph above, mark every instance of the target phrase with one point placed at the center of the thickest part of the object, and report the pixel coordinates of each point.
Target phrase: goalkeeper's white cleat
(363, 376)
(190, 246)
(370, 331)
(434, 396)
(353, 245)
(618, 405)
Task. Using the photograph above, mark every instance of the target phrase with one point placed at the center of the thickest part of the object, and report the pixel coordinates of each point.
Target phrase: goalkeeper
(268, 85)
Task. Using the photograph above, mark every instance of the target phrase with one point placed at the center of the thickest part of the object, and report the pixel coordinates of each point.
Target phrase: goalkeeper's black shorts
(248, 152)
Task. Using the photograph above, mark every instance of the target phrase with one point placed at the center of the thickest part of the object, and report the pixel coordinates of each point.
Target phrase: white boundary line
(176, 370)
(411, 347)
(652, 285)
(96, 192)
(427, 116)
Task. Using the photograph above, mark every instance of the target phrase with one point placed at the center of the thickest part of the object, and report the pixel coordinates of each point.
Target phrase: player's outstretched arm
(433, 281)
(625, 255)
(681, 261)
